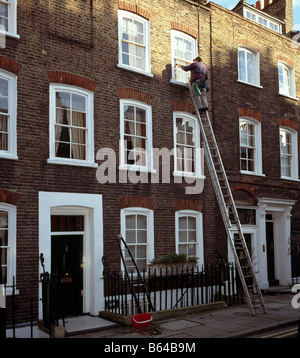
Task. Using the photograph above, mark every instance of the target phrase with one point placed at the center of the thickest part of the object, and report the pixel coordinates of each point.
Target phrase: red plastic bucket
(141, 320)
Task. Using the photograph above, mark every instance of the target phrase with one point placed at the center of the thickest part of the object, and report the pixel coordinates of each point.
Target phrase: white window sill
(136, 168)
(249, 84)
(8, 156)
(188, 175)
(252, 173)
(10, 34)
(290, 178)
(179, 83)
(74, 162)
(287, 96)
(136, 70)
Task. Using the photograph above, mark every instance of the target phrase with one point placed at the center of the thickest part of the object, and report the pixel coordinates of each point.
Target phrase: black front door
(270, 249)
(66, 262)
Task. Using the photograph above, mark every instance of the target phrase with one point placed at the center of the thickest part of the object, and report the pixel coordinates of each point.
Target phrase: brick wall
(78, 43)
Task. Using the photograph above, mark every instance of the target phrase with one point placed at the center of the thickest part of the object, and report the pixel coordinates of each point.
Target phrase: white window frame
(258, 18)
(256, 66)
(198, 173)
(150, 229)
(288, 90)
(146, 25)
(12, 19)
(90, 160)
(199, 232)
(182, 35)
(257, 146)
(148, 109)
(12, 243)
(294, 153)
(11, 153)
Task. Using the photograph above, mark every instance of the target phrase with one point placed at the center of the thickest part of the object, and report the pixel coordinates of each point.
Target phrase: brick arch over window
(242, 191)
(184, 28)
(188, 205)
(286, 60)
(248, 112)
(248, 43)
(135, 94)
(10, 65)
(136, 201)
(124, 5)
(9, 197)
(71, 79)
(182, 107)
(286, 122)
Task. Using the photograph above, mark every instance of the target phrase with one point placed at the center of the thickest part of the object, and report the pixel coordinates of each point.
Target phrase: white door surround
(281, 214)
(90, 206)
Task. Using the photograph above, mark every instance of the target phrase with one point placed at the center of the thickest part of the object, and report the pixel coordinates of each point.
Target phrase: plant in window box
(172, 263)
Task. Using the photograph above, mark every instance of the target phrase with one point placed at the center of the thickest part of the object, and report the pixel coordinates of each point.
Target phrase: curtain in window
(3, 132)
(4, 17)
(133, 43)
(183, 55)
(78, 135)
(70, 126)
(286, 153)
(3, 245)
(284, 79)
(135, 135)
(246, 66)
(185, 144)
(4, 114)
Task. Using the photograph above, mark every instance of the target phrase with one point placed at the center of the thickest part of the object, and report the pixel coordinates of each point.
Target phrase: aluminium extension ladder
(229, 213)
(135, 280)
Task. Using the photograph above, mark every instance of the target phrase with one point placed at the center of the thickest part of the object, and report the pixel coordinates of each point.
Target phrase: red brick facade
(65, 48)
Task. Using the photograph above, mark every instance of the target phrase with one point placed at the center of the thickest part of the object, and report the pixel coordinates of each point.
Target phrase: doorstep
(86, 323)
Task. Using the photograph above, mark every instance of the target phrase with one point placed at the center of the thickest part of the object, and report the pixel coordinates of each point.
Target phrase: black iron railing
(295, 256)
(175, 287)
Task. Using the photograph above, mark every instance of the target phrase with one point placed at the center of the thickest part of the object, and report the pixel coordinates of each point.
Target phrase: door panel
(270, 251)
(66, 261)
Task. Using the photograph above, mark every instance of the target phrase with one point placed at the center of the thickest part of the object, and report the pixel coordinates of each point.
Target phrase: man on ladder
(199, 76)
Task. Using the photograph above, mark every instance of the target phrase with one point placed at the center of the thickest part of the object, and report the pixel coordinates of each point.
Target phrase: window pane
(141, 222)
(63, 100)
(130, 221)
(182, 236)
(135, 135)
(3, 132)
(191, 223)
(182, 222)
(78, 151)
(185, 144)
(133, 43)
(192, 236)
(130, 236)
(191, 250)
(67, 223)
(78, 103)
(4, 17)
(78, 119)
